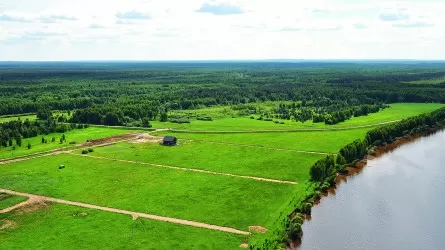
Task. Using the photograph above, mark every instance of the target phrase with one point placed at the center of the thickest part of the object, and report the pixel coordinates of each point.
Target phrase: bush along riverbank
(287, 228)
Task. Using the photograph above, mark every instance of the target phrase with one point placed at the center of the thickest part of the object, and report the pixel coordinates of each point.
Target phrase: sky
(58, 30)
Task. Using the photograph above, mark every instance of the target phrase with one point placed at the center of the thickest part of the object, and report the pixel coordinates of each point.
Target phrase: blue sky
(213, 29)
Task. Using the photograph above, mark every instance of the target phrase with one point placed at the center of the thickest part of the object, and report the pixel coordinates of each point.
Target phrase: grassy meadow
(318, 141)
(240, 160)
(7, 200)
(396, 111)
(60, 226)
(214, 199)
(75, 135)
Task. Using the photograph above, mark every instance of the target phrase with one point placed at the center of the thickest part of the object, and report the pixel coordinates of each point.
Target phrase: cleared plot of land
(319, 141)
(60, 226)
(7, 200)
(76, 135)
(281, 165)
(395, 112)
(14, 118)
(212, 199)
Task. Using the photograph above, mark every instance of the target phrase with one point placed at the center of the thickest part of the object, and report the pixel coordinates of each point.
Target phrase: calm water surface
(397, 202)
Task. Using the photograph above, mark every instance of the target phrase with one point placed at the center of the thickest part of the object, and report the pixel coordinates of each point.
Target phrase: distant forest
(118, 93)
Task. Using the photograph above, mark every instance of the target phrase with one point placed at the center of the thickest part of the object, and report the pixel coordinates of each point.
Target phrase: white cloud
(220, 29)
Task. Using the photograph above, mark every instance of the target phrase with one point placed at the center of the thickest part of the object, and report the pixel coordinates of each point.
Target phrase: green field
(231, 159)
(319, 141)
(14, 118)
(66, 227)
(220, 200)
(395, 112)
(7, 200)
(76, 135)
(214, 199)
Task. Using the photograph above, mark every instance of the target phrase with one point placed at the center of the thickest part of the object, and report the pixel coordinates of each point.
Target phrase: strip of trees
(326, 169)
(12, 132)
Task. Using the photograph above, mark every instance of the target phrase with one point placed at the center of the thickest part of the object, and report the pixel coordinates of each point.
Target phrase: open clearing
(77, 135)
(200, 181)
(239, 160)
(395, 112)
(8, 200)
(213, 199)
(59, 226)
(318, 141)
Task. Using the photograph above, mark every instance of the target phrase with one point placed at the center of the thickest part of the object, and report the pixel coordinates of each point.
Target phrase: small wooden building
(169, 141)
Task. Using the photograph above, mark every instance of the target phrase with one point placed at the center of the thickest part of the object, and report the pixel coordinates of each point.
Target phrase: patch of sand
(31, 207)
(258, 229)
(147, 138)
(5, 224)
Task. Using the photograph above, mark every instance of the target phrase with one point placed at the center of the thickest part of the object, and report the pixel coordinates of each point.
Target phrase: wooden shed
(169, 141)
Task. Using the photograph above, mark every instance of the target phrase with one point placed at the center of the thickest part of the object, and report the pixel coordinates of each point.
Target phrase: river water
(396, 202)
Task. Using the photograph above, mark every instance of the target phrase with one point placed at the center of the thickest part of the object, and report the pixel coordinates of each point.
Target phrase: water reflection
(397, 202)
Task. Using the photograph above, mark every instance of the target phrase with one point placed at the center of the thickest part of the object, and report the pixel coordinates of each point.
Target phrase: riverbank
(360, 166)
(395, 202)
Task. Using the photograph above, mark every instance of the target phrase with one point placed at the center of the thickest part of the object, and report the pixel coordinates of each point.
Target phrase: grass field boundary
(259, 146)
(58, 150)
(187, 169)
(134, 215)
(274, 130)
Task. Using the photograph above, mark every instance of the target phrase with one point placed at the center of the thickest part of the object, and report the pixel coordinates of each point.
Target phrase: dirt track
(188, 169)
(134, 215)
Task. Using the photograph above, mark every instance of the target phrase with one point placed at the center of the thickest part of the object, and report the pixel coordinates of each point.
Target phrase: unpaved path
(134, 215)
(275, 130)
(188, 169)
(29, 157)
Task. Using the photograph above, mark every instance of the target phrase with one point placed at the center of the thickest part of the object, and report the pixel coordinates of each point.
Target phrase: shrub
(294, 232)
(306, 208)
(297, 220)
(84, 152)
(325, 187)
(90, 150)
(72, 142)
(252, 117)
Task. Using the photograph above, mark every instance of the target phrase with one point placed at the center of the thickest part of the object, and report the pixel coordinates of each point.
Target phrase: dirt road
(134, 215)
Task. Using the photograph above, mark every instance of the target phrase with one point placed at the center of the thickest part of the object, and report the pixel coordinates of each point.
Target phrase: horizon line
(228, 60)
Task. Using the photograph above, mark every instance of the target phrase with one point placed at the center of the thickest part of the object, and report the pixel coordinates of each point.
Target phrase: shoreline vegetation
(350, 160)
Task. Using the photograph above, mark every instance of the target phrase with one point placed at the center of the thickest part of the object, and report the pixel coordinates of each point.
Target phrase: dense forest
(135, 93)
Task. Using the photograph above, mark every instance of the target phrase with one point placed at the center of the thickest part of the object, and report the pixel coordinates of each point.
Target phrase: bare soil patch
(258, 229)
(32, 207)
(147, 138)
(111, 139)
(5, 224)
(244, 245)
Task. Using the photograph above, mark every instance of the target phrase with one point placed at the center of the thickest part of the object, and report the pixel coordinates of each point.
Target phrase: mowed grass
(397, 111)
(240, 160)
(7, 200)
(15, 118)
(214, 199)
(75, 135)
(67, 227)
(318, 141)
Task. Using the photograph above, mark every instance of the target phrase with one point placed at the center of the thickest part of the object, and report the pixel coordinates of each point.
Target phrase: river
(396, 202)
